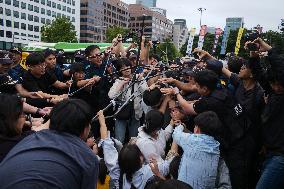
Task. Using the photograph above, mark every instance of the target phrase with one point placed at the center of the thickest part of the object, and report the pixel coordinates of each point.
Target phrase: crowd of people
(120, 119)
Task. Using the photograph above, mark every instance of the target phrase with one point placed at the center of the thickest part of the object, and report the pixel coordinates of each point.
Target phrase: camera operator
(272, 80)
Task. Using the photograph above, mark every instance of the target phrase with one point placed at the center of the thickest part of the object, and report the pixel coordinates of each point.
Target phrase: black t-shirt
(33, 84)
(251, 100)
(230, 114)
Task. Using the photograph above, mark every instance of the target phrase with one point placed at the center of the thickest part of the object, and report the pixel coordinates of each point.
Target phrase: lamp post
(201, 12)
(101, 27)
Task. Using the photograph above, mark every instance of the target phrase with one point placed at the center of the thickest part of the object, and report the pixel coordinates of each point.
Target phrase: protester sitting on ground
(125, 85)
(36, 79)
(128, 165)
(201, 151)
(54, 158)
(152, 138)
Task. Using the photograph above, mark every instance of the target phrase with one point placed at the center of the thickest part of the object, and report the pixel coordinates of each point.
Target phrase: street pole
(101, 35)
(201, 12)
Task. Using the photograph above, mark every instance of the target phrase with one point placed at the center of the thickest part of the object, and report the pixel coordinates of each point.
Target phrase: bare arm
(186, 106)
(60, 85)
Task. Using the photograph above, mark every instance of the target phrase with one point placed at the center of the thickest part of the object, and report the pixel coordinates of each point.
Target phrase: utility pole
(201, 10)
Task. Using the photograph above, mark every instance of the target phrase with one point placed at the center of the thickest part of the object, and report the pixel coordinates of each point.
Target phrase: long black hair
(11, 107)
(129, 160)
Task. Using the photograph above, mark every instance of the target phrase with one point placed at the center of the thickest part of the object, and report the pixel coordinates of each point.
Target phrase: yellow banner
(23, 61)
(238, 43)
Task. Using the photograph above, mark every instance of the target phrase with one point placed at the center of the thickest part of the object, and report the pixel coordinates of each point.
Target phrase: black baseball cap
(6, 57)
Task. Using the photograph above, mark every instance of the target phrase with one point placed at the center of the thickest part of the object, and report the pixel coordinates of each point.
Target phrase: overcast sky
(267, 13)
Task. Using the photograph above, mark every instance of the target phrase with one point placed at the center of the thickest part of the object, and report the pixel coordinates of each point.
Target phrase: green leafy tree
(275, 39)
(60, 30)
(183, 49)
(112, 32)
(168, 47)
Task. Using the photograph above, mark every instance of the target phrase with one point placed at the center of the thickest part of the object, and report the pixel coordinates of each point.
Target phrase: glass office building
(147, 3)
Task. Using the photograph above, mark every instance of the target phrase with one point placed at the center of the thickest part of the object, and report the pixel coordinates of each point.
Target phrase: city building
(211, 30)
(159, 10)
(21, 20)
(234, 23)
(98, 15)
(180, 33)
(147, 3)
(116, 13)
(157, 26)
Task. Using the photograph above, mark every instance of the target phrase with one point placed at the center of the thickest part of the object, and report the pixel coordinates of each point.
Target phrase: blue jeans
(273, 173)
(120, 128)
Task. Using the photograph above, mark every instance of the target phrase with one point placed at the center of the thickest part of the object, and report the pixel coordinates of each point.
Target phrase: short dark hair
(207, 78)
(209, 123)
(154, 120)
(70, 116)
(47, 52)
(90, 48)
(129, 160)
(235, 63)
(35, 59)
(11, 107)
(121, 62)
(173, 184)
(76, 67)
(277, 75)
(152, 97)
(155, 56)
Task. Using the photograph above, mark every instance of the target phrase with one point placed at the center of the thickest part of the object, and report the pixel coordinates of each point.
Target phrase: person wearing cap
(17, 55)
(152, 138)
(36, 79)
(13, 83)
(16, 71)
(11, 87)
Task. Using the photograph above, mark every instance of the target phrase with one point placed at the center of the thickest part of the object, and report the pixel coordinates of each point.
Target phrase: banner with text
(218, 32)
(238, 43)
(225, 40)
(190, 41)
(203, 31)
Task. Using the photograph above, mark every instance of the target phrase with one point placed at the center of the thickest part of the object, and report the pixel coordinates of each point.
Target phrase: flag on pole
(238, 42)
(190, 41)
(225, 40)
(203, 31)
(218, 32)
